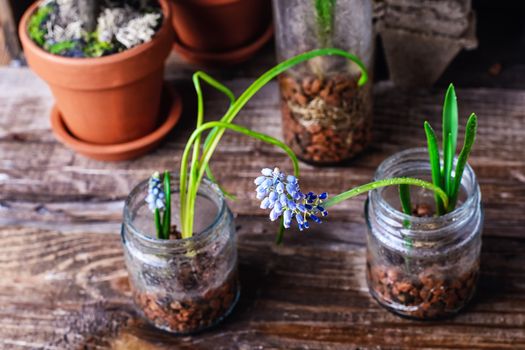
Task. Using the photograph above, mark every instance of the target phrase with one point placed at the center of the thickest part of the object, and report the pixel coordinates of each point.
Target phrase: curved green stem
(395, 181)
(196, 145)
(187, 229)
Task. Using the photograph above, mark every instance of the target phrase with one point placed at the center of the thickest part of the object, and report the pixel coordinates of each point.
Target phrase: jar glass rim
(199, 238)
(469, 178)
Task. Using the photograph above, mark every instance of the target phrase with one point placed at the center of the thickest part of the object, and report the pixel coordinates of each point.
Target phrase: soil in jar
(189, 312)
(430, 294)
(326, 120)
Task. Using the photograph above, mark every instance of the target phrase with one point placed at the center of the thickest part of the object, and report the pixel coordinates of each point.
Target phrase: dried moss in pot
(62, 28)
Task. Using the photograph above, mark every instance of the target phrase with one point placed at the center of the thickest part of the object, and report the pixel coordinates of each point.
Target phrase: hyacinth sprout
(159, 202)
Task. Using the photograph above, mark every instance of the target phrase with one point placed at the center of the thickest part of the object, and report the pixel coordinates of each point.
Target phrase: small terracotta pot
(106, 100)
(220, 25)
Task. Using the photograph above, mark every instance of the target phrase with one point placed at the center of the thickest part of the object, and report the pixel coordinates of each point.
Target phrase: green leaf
(404, 196)
(450, 134)
(433, 153)
(470, 137)
(406, 204)
(166, 225)
(449, 154)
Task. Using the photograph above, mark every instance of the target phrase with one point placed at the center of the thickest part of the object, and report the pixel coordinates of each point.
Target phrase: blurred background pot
(326, 116)
(106, 100)
(221, 26)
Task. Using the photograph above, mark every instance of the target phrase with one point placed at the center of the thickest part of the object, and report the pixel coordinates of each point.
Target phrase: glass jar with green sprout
(326, 113)
(178, 233)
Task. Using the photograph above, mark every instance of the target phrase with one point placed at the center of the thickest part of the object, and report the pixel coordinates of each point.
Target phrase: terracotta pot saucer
(171, 108)
(225, 58)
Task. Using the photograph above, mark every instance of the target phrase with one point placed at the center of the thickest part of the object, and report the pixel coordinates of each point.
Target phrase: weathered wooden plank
(70, 290)
(9, 46)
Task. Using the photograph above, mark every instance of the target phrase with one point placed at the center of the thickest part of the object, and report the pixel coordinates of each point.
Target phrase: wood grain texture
(71, 292)
(9, 46)
(64, 285)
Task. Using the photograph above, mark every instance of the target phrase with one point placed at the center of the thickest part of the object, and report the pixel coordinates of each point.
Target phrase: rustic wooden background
(63, 284)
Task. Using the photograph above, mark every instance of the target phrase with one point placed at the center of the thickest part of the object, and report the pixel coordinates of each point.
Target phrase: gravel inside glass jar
(422, 266)
(327, 118)
(182, 285)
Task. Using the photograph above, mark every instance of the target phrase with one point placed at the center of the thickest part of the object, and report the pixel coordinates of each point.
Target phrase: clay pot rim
(93, 61)
(233, 56)
(209, 3)
(97, 151)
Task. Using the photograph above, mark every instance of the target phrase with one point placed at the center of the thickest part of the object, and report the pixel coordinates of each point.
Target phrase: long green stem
(187, 206)
(188, 224)
(395, 181)
(166, 222)
(158, 224)
(196, 146)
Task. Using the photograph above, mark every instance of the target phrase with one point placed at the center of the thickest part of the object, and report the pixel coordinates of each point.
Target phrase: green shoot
(404, 196)
(433, 153)
(470, 137)
(166, 222)
(325, 17)
(450, 135)
(443, 174)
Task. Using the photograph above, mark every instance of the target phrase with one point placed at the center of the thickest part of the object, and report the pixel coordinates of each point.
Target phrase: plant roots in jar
(325, 119)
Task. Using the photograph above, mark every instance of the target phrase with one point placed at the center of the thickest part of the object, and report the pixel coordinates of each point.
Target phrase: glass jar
(422, 267)
(182, 285)
(326, 116)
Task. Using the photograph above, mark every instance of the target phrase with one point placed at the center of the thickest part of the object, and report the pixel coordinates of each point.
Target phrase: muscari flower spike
(156, 198)
(282, 195)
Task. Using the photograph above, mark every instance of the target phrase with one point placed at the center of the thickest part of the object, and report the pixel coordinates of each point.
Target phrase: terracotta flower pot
(106, 100)
(220, 25)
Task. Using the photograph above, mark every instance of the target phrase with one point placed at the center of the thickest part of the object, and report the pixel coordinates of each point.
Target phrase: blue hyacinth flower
(283, 196)
(156, 198)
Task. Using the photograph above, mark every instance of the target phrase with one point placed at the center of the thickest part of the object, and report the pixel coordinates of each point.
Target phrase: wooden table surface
(63, 283)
